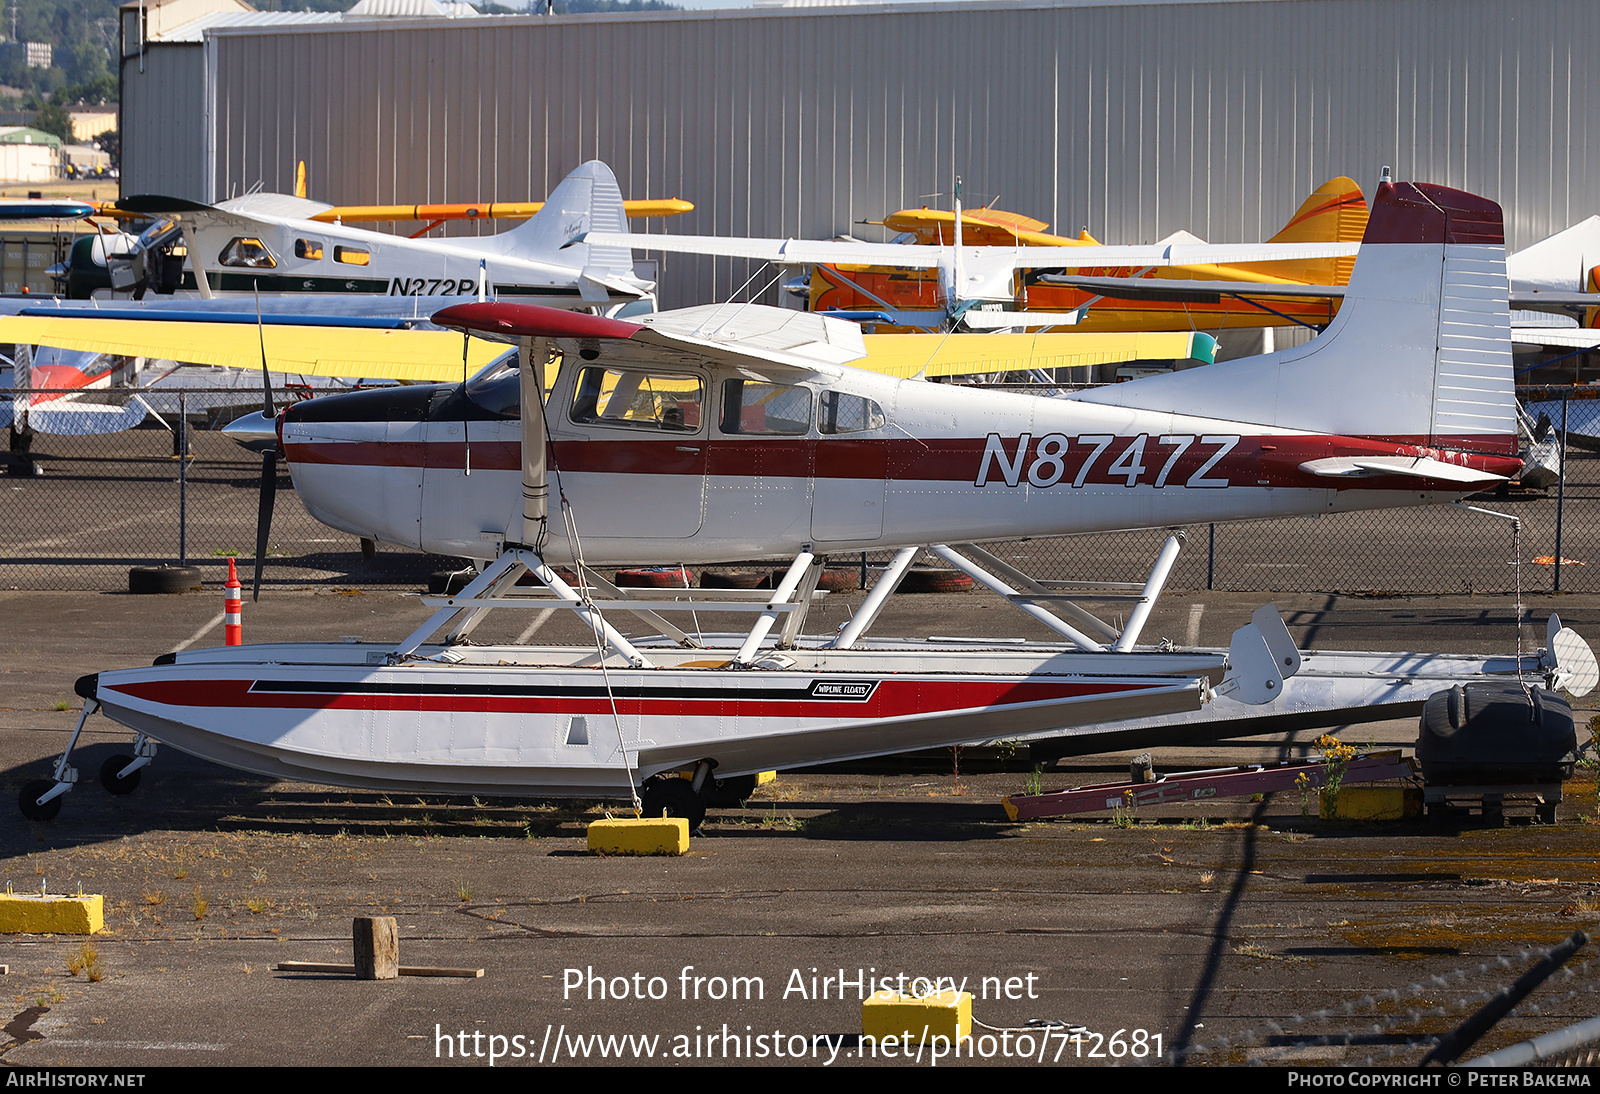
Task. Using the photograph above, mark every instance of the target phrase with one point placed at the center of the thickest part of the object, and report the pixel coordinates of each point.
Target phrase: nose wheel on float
(40, 799)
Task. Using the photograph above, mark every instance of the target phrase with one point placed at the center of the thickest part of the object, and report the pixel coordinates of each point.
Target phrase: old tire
(672, 797)
(840, 580)
(450, 582)
(656, 577)
(114, 784)
(163, 579)
(28, 801)
(928, 579)
(736, 578)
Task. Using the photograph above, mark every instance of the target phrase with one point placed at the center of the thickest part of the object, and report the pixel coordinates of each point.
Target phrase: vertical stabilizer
(1420, 352)
(1336, 212)
(588, 200)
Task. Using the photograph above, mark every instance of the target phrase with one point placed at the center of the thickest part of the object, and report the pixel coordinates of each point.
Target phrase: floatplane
(741, 432)
(286, 243)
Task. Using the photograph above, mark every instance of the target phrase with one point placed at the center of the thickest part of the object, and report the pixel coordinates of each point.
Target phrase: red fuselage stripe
(1266, 460)
(892, 699)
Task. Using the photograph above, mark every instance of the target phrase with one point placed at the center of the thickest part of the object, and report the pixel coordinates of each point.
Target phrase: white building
(1130, 119)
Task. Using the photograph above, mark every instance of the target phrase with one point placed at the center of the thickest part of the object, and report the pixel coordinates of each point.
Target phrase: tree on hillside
(54, 119)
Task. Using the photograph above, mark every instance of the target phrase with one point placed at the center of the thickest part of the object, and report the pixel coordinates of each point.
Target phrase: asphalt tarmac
(1220, 930)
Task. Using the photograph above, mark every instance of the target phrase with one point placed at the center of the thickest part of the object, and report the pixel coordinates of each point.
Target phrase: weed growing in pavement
(1122, 815)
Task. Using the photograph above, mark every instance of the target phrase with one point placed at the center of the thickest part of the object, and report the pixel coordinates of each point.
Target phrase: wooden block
(350, 970)
(377, 947)
(639, 836)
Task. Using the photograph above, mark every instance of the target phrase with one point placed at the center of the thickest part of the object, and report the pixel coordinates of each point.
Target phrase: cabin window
(308, 248)
(352, 256)
(839, 412)
(638, 399)
(762, 409)
(247, 252)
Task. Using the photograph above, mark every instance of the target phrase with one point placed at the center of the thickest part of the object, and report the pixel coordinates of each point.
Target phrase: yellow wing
(930, 355)
(428, 356)
(410, 355)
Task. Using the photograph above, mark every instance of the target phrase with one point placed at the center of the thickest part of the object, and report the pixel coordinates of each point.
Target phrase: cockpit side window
(638, 399)
(758, 408)
(841, 412)
(248, 252)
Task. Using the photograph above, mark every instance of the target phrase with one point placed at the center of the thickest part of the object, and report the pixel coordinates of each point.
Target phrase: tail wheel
(672, 797)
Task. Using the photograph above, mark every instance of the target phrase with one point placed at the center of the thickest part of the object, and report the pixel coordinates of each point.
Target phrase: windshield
(496, 389)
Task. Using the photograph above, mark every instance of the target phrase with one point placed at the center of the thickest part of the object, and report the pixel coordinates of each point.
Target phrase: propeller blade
(269, 490)
(268, 410)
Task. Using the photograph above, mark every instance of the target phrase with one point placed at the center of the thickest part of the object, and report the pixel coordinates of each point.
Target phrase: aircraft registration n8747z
(740, 432)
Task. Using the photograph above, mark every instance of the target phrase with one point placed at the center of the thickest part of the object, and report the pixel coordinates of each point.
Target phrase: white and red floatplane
(740, 432)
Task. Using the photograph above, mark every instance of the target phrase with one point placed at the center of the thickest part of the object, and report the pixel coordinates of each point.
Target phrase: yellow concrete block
(918, 1019)
(32, 913)
(1377, 803)
(639, 836)
(765, 777)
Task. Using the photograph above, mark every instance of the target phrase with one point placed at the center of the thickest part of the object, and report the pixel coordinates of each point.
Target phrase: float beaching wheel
(28, 801)
(674, 797)
(113, 781)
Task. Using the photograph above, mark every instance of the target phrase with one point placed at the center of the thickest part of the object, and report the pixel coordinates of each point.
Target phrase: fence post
(183, 482)
(1211, 556)
(1561, 490)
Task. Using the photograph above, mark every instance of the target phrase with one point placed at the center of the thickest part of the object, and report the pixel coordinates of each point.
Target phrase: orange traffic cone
(233, 608)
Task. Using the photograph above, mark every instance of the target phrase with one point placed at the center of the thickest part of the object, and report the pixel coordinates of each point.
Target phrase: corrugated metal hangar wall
(1132, 120)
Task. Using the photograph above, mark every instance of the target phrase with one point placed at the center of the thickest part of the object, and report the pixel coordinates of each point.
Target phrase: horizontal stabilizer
(1204, 292)
(1361, 467)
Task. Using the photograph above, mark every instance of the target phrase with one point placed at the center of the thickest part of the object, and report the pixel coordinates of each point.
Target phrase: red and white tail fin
(1420, 352)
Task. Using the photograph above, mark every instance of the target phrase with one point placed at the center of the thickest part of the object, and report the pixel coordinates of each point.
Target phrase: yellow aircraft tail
(1334, 213)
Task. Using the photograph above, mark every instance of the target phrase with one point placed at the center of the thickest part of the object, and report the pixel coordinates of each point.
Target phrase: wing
(762, 340)
(802, 252)
(782, 344)
(310, 347)
(930, 355)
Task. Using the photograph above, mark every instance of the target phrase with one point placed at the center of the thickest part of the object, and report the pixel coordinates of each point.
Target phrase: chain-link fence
(77, 511)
